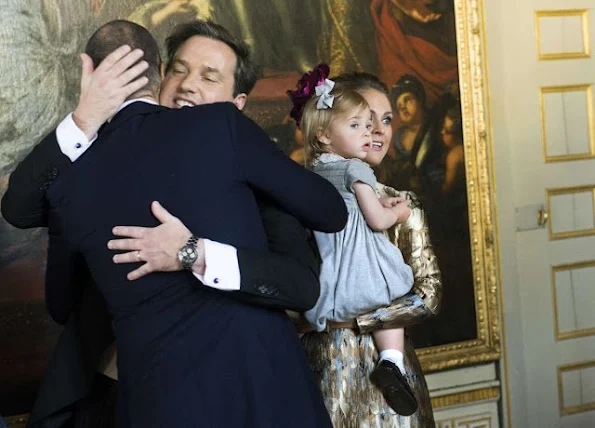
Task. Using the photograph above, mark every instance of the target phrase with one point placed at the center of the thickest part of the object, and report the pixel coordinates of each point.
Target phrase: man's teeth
(183, 103)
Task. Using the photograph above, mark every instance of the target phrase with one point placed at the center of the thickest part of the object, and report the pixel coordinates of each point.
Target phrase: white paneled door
(549, 100)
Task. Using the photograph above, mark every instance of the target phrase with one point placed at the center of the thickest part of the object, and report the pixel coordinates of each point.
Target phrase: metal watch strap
(188, 254)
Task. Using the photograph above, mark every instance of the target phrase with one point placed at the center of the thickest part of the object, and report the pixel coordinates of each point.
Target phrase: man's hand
(156, 246)
(105, 88)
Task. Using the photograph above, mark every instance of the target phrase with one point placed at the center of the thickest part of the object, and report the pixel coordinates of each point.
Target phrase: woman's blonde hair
(315, 120)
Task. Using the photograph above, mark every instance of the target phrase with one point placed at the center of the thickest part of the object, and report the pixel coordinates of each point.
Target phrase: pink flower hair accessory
(306, 89)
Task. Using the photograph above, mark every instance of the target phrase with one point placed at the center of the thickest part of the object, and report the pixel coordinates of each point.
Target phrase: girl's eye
(387, 120)
(354, 125)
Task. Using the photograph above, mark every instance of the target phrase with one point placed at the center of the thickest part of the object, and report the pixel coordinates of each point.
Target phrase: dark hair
(247, 71)
(361, 81)
(409, 83)
(116, 33)
(454, 113)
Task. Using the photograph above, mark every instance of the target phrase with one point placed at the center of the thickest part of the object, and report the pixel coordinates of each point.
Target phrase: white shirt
(221, 260)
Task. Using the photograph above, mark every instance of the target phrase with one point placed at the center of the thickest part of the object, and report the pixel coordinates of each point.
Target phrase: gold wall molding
(570, 410)
(588, 90)
(465, 397)
(563, 335)
(553, 236)
(481, 197)
(563, 13)
(474, 421)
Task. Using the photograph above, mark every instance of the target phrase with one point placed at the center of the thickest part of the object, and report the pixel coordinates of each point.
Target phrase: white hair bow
(324, 92)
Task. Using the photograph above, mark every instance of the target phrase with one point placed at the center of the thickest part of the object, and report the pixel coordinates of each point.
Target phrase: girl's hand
(389, 202)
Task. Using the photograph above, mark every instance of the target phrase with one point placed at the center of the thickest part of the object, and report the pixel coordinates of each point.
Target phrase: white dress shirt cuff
(72, 141)
(222, 269)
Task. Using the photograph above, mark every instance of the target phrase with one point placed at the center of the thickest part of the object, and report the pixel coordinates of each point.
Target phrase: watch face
(189, 252)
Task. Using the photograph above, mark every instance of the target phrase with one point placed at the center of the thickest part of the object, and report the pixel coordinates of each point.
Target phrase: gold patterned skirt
(342, 361)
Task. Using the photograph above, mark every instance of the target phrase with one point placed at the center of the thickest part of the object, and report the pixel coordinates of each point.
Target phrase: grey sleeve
(358, 170)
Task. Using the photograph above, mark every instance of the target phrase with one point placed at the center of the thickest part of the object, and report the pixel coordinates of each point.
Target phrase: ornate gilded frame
(473, 80)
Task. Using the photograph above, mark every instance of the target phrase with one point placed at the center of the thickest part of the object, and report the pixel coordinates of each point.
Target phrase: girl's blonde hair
(315, 120)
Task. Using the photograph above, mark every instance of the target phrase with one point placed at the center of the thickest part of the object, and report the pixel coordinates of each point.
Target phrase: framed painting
(431, 55)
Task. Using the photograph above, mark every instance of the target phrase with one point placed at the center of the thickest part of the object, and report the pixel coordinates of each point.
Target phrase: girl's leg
(388, 374)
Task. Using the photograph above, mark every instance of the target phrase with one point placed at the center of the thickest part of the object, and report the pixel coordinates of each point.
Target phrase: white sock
(395, 357)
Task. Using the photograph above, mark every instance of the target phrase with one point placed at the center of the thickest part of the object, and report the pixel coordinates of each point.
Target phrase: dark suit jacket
(287, 278)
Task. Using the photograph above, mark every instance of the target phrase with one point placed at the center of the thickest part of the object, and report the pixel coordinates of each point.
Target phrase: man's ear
(240, 101)
(162, 71)
(322, 136)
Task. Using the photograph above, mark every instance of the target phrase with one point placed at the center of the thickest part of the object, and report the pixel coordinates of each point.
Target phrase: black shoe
(395, 389)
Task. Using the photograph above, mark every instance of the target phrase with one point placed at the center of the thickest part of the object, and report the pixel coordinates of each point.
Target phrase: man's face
(202, 72)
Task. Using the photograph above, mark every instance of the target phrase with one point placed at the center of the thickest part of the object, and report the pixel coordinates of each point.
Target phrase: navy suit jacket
(204, 164)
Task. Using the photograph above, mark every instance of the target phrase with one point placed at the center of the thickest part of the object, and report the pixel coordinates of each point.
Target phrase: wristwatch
(188, 254)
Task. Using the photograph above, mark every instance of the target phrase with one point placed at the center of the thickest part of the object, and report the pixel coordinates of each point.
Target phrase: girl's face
(382, 131)
(349, 134)
(410, 112)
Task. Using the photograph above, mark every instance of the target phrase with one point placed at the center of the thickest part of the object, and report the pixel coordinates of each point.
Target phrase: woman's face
(382, 132)
(410, 112)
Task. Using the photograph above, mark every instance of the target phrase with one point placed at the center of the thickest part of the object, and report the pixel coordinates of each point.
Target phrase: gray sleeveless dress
(361, 269)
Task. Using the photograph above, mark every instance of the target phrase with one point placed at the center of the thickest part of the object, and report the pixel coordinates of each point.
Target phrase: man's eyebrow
(207, 69)
(180, 61)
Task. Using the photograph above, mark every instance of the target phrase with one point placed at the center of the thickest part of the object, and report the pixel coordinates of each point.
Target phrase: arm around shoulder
(310, 198)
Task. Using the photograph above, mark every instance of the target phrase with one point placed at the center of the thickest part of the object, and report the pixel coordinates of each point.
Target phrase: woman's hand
(156, 246)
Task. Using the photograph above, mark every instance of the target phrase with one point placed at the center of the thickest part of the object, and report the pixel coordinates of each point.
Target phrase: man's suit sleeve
(287, 277)
(310, 198)
(24, 204)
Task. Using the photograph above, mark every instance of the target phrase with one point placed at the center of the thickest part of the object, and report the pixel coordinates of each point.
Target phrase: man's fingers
(86, 65)
(161, 213)
(130, 231)
(124, 63)
(138, 84)
(132, 73)
(140, 272)
(130, 257)
(114, 57)
(124, 244)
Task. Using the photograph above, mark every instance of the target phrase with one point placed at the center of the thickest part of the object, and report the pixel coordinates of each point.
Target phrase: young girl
(361, 269)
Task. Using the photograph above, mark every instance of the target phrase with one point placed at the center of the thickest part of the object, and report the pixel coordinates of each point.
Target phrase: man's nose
(189, 84)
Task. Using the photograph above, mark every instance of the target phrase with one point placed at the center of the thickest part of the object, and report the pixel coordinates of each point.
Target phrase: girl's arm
(377, 216)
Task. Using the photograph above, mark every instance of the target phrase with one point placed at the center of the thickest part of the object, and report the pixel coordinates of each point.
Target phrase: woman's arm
(423, 301)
